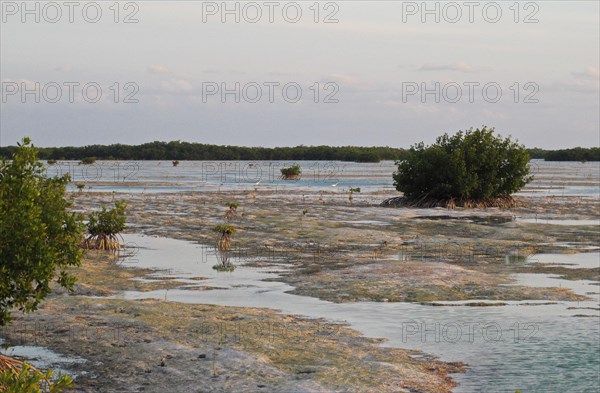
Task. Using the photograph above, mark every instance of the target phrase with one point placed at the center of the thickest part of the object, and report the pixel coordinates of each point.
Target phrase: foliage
(225, 231)
(575, 154)
(38, 234)
(357, 189)
(87, 160)
(104, 226)
(232, 205)
(51, 162)
(474, 165)
(291, 172)
(21, 377)
(177, 150)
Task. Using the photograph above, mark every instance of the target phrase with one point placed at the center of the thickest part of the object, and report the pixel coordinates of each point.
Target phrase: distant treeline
(177, 150)
(574, 154)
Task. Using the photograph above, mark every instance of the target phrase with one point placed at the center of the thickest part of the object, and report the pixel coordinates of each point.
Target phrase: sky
(365, 73)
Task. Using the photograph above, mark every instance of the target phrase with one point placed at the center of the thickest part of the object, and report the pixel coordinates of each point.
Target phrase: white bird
(257, 183)
(335, 185)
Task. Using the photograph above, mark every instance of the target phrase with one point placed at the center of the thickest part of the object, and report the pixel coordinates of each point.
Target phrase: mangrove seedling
(80, 186)
(353, 190)
(175, 162)
(232, 211)
(291, 173)
(225, 232)
(104, 226)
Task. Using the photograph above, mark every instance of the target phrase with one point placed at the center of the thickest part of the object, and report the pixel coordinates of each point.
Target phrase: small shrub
(352, 191)
(225, 232)
(232, 205)
(291, 172)
(80, 186)
(87, 161)
(104, 226)
(232, 211)
(468, 169)
(175, 163)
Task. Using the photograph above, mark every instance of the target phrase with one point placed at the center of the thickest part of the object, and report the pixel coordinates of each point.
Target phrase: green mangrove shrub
(291, 173)
(225, 232)
(470, 169)
(87, 161)
(104, 226)
(231, 211)
(39, 235)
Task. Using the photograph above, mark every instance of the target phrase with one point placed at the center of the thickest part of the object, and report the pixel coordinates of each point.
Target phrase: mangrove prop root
(103, 242)
(451, 203)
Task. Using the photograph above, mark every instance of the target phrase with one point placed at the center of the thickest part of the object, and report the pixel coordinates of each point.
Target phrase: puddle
(555, 221)
(365, 222)
(43, 358)
(517, 346)
(585, 260)
(491, 220)
(190, 264)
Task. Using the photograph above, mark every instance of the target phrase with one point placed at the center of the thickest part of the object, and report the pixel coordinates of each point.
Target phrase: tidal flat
(330, 293)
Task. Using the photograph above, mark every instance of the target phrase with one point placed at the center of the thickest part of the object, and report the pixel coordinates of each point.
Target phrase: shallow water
(550, 178)
(535, 348)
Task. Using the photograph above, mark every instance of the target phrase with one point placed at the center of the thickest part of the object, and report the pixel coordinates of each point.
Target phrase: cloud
(25, 84)
(176, 86)
(64, 68)
(158, 69)
(460, 67)
(590, 73)
(285, 73)
(346, 81)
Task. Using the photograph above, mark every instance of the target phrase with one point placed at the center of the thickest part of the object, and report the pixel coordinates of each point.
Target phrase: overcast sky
(374, 61)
